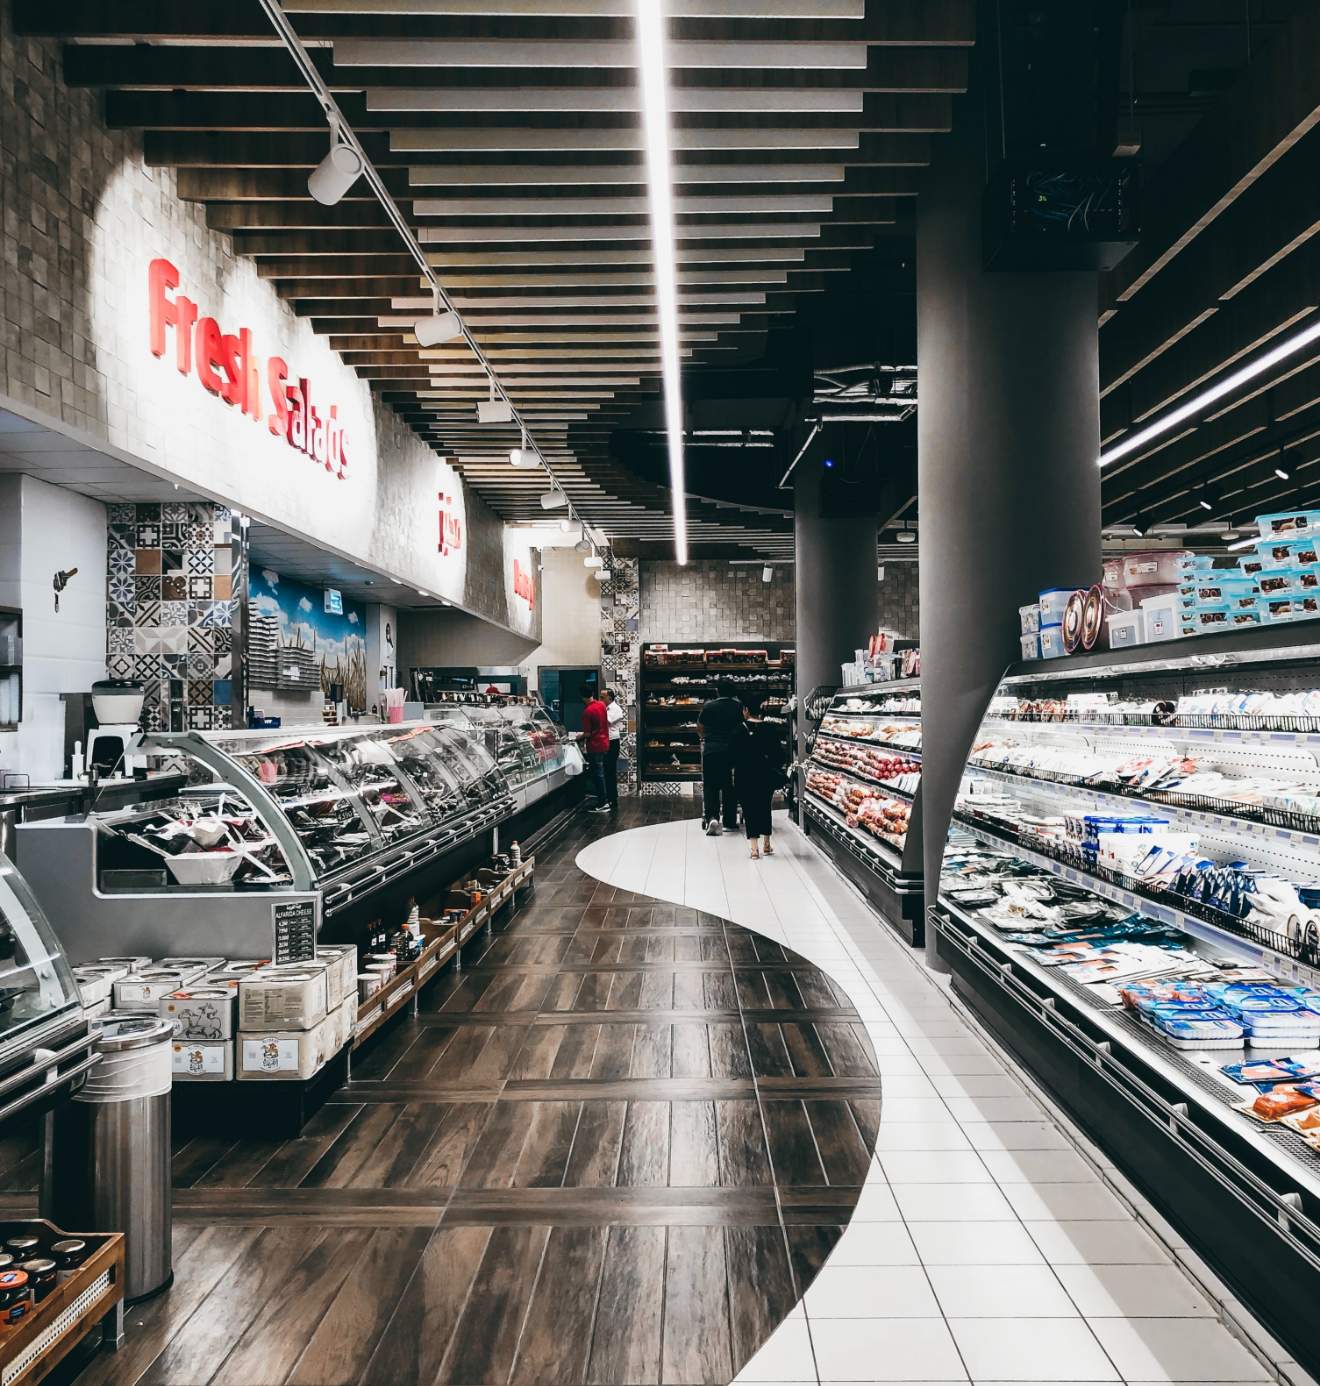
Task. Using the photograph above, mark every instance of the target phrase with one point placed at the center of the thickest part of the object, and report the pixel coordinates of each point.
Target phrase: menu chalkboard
(295, 931)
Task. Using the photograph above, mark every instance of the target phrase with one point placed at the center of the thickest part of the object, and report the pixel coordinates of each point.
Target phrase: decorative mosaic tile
(122, 591)
(171, 561)
(224, 665)
(201, 664)
(120, 560)
(199, 692)
(224, 640)
(201, 716)
(174, 588)
(147, 613)
(202, 639)
(121, 666)
(200, 535)
(119, 514)
(174, 639)
(174, 613)
(148, 588)
(173, 534)
(199, 588)
(119, 640)
(198, 562)
(176, 664)
(219, 615)
(222, 717)
(150, 669)
(151, 717)
(147, 562)
(148, 536)
(223, 586)
(175, 512)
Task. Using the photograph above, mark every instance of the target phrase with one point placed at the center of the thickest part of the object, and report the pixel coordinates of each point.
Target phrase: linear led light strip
(1226, 386)
(655, 120)
(342, 133)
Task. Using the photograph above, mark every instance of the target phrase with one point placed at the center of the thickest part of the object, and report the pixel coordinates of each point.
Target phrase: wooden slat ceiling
(1228, 266)
(509, 133)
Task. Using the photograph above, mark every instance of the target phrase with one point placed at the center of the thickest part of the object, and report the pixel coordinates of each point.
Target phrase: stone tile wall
(171, 584)
(713, 600)
(621, 656)
(899, 609)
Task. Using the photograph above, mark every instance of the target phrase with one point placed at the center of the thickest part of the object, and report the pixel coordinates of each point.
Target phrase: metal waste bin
(107, 1155)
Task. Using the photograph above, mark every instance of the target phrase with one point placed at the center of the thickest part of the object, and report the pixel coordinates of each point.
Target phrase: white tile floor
(991, 1243)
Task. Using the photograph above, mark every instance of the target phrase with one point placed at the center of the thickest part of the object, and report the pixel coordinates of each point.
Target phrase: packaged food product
(1281, 1102)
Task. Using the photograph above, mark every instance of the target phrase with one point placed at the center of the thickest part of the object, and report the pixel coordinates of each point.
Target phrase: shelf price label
(294, 923)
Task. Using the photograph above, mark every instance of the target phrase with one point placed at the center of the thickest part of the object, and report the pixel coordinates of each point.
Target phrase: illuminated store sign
(450, 525)
(227, 366)
(523, 586)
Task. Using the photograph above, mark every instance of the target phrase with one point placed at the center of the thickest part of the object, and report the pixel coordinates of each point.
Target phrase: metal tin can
(68, 1255)
(20, 1248)
(42, 1274)
(369, 983)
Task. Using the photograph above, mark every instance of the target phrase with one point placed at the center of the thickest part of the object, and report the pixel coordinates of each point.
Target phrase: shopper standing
(596, 743)
(758, 772)
(720, 728)
(615, 717)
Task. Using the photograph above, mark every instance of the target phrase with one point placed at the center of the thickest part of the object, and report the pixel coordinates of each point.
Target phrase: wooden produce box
(52, 1329)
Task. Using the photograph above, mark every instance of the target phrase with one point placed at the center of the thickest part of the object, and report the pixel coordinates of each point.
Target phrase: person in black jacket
(758, 772)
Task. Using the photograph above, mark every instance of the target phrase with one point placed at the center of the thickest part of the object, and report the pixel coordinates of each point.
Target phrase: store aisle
(616, 1148)
(989, 1243)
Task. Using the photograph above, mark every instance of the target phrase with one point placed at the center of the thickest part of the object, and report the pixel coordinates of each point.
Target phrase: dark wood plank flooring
(614, 1148)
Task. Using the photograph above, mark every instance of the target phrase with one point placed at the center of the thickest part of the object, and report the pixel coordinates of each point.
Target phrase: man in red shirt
(596, 743)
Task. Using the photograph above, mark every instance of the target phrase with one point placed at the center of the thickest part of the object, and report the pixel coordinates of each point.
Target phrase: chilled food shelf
(1194, 810)
(885, 852)
(1146, 731)
(913, 751)
(1195, 1074)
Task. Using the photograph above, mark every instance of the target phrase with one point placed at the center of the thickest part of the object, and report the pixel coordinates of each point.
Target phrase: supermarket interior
(590, 591)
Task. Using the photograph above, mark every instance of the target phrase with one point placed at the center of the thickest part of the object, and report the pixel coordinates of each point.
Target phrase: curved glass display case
(1130, 898)
(861, 794)
(532, 751)
(43, 1032)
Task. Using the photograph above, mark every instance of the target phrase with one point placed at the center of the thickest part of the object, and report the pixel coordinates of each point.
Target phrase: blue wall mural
(294, 644)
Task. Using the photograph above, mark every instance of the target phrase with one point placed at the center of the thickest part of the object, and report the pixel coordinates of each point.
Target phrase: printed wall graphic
(295, 645)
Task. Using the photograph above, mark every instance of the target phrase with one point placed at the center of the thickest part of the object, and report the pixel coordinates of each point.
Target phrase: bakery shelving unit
(677, 679)
(875, 722)
(1155, 731)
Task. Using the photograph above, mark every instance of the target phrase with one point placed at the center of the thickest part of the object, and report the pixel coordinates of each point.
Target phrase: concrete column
(836, 591)
(1008, 436)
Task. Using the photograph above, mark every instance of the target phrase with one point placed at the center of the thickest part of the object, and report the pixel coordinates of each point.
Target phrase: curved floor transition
(615, 1148)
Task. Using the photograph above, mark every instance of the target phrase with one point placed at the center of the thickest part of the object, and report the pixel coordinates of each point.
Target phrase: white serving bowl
(203, 868)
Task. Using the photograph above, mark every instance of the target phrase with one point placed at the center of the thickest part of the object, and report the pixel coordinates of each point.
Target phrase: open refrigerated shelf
(1071, 800)
(888, 872)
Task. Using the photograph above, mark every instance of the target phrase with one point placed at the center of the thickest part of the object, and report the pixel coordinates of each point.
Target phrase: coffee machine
(112, 730)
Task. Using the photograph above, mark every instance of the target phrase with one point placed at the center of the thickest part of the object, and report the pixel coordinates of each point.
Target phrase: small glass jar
(42, 1274)
(68, 1255)
(15, 1298)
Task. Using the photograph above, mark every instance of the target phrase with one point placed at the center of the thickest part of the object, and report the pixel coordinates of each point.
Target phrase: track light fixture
(553, 500)
(583, 544)
(767, 573)
(593, 560)
(342, 166)
(602, 574)
(494, 410)
(565, 525)
(523, 456)
(443, 325)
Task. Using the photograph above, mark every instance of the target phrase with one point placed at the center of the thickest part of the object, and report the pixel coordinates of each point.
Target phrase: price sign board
(295, 931)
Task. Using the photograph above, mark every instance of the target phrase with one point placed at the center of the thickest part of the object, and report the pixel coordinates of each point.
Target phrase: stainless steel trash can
(107, 1150)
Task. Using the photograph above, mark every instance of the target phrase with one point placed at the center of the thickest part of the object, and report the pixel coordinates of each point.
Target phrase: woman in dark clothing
(758, 773)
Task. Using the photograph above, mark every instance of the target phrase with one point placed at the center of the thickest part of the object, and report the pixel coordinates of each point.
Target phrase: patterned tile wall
(713, 600)
(621, 656)
(171, 587)
(899, 608)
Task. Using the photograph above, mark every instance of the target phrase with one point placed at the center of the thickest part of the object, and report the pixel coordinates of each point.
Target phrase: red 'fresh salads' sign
(523, 586)
(227, 366)
(451, 526)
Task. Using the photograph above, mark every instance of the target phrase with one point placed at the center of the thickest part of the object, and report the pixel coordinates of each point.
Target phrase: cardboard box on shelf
(201, 1013)
(286, 1054)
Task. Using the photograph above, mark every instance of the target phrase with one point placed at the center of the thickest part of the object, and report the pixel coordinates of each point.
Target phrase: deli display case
(534, 753)
(861, 796)
(341, 818)
(1130, 900)
(44, 1035)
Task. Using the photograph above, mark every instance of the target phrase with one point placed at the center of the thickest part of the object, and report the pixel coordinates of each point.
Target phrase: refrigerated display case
(533, 752)
(861, 795)
(44, 1039)
(271, 818)
(1130, 899)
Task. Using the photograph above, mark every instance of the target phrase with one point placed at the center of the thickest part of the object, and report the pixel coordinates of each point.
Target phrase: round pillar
(837, 595)
(1008, 483)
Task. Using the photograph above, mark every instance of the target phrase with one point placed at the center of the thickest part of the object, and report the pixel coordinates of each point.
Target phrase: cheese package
(143, 991)
(137, 963)
(345, 1017)
(286, 1054)
(341, 959)
(202, 1013)
(275, 999)
(203, 1061)
(198, 965)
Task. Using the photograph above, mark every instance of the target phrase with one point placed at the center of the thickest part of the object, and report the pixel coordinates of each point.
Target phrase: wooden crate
(53, 1328)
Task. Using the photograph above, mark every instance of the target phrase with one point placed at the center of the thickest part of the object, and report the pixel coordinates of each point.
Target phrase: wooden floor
(614, 1148)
